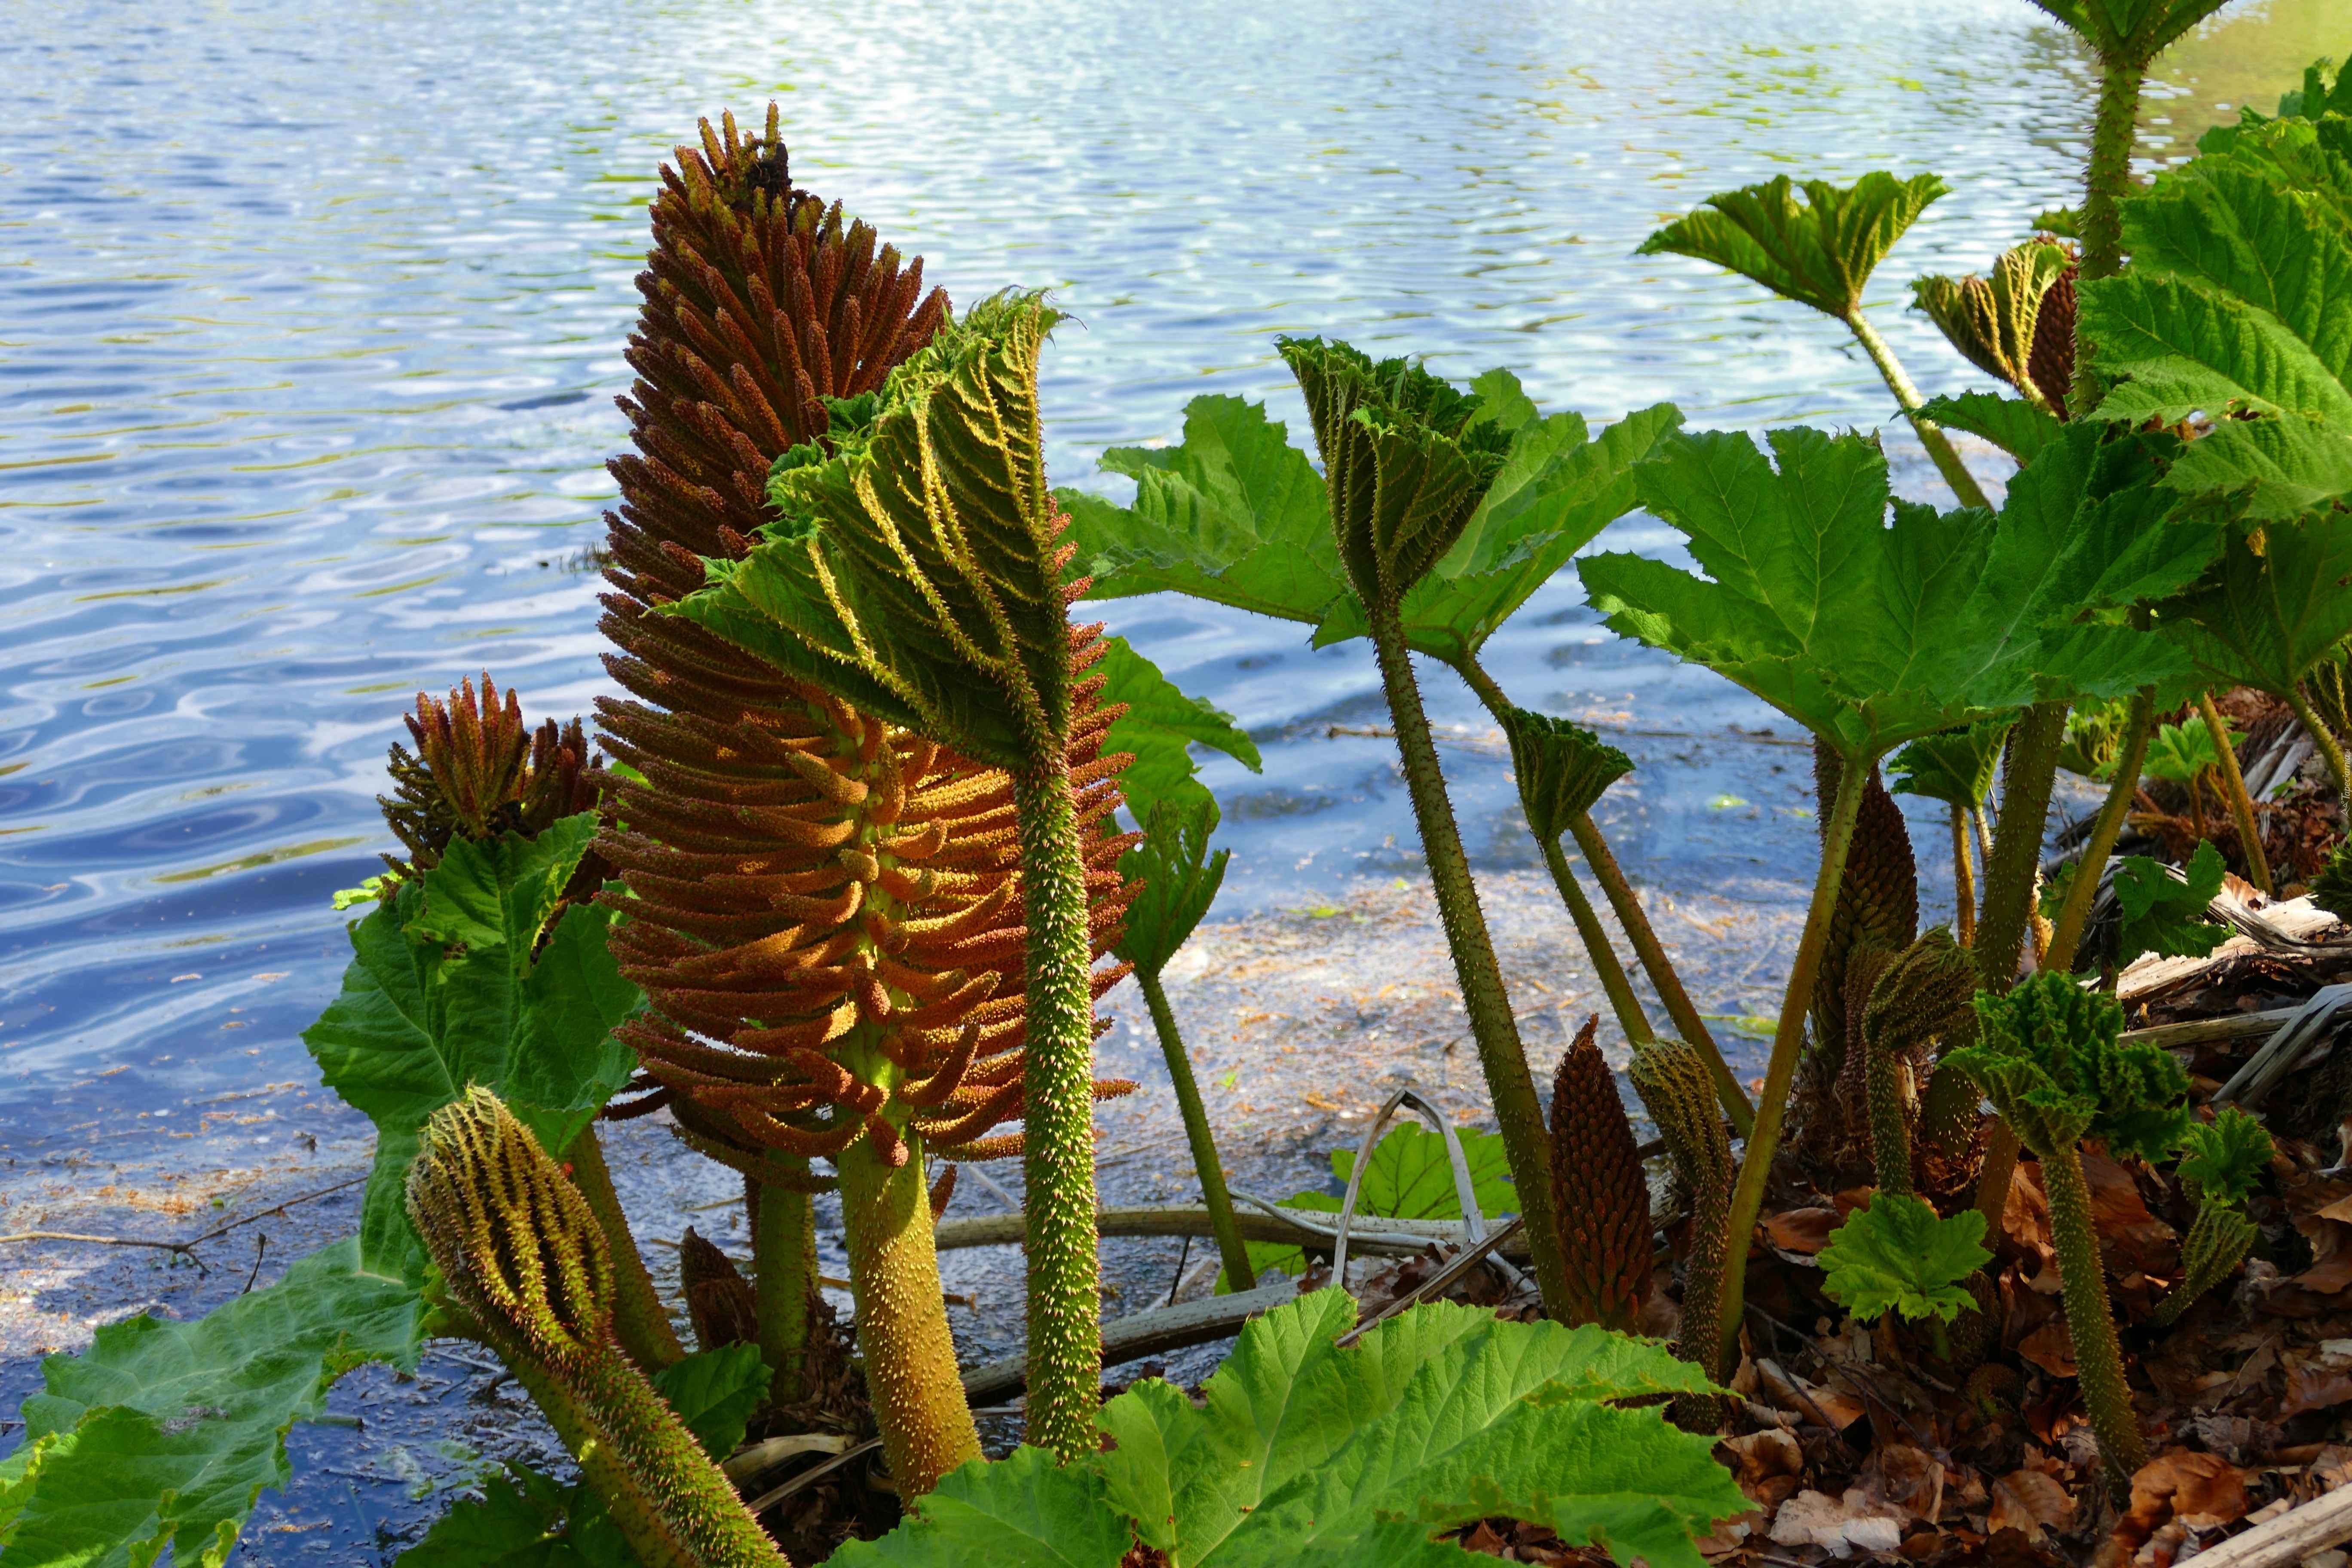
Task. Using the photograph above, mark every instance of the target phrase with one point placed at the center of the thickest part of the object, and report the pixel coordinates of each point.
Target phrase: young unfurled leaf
(450, 984)
(2095, 733)
(1180, 877)
(2011, 424)
(1954, 766)
(1236, 515)
(1871, 636)
(1562, 769)
(2226, 1156)
(1997, 323)
(2209, 321)
(162, 1434)
(1820, 253)
(1899, 1256)
(1307, 1453)
(2048, 1056)
(2164, 913)
(1161, 724)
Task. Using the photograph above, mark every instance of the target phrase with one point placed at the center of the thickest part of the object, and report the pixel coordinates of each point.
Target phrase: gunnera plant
(2049, 1058)
(915, 573)
(524, 1261)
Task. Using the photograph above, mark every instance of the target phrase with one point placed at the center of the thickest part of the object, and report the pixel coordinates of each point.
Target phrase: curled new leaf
(1899, 1256)
(1820, 252)
(1406, 458)
(2049, 1058)
(2017, 324)
(1562, 769)
(2226, 1155)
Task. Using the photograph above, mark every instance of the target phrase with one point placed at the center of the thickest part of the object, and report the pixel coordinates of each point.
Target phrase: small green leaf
(1956, 766)
(1180, 877)
(2183, 751)
(1819, 254)
(444, 989)
(1899, 1256)
(2164, 913)
(714, 1394)
(2226, 1156)
(1160, 728)
(2095, 734)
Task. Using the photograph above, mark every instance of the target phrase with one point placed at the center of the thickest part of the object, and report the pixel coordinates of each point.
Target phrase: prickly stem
(1065, 1303)
(1614, 981)
(1517, 1112)
(783, 1280)
(2074, 913)
(2233, 790)
(2083, 1287)
(639, 1319)
(902, 1320)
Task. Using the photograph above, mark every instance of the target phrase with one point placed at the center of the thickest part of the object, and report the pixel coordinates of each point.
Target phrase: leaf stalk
(1787, 1046)
(1205, 1163)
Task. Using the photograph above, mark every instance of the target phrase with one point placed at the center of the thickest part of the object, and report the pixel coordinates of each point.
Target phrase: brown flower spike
(479, 771)
(1602, 1194)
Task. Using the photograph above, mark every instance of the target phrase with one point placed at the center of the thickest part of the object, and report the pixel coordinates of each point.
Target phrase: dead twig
(185, 1249)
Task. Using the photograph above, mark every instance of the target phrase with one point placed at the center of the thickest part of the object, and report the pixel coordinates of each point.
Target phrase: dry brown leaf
(1803, 1231)
(2314, 1388)
(2200, 1490)
(1767, 1466)
(2132, 1239)
(1839, 1526)
(2051, 1348)
(2029, 1502)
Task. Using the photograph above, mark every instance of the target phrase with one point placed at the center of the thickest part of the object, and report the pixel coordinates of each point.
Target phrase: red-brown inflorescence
(824, 908)
(1602, 1196)
(478, 771)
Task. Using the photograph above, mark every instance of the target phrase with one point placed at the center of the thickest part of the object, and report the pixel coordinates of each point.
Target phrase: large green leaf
(1555, 494)
(2236, 307)
(1160, 728)
(1870, 634)
(1357, 1457)
(444, 989)
(2273, 606)
(1820, 252)
(165, 1432)
(530, 1520)
(1236, 515)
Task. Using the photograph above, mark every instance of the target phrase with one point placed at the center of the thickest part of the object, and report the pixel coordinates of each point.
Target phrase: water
(309, 337)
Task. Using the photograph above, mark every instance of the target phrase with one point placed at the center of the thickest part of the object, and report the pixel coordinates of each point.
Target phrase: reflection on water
(311, 334)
